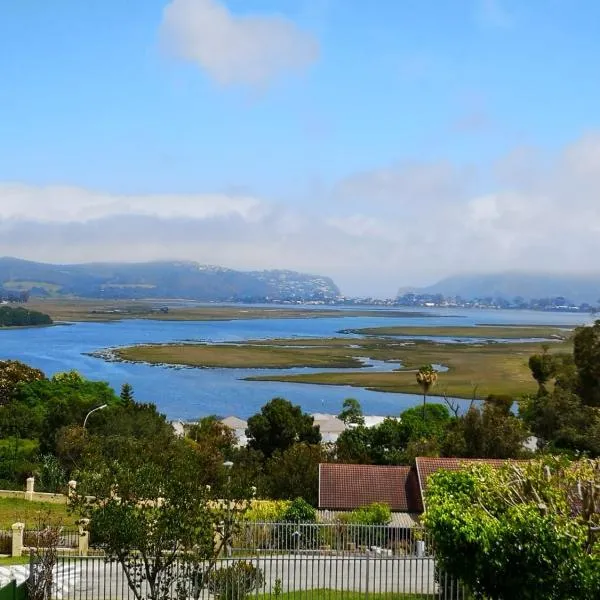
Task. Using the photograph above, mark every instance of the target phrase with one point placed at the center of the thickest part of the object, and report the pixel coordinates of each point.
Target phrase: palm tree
(426, 378)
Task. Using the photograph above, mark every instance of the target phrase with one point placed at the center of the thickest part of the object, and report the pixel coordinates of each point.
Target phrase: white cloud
(252, 49)
(64, 204)
(407, 224)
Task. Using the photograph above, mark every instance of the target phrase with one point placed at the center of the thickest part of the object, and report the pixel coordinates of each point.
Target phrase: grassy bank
(472, 369)
(15, 510)
(239, 356)
(479, 369)
(77, 310)
(491, 332)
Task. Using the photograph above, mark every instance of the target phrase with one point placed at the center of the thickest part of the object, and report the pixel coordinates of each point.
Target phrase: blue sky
(359, 130)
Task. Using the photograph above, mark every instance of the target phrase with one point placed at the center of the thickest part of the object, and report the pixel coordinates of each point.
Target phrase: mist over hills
(575, 288)
(161, 279)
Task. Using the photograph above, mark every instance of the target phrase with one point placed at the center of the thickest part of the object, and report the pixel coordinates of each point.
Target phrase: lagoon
(185, 393)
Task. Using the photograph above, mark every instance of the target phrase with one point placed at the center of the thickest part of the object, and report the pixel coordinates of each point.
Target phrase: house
(238, 426)
(345, 487)
(330, 427)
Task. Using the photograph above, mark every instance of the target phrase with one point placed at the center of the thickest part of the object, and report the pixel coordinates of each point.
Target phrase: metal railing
(276, 577)
(330, 538)
(278, 561)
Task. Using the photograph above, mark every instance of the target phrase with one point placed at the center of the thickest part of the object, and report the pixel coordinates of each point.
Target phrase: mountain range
(575, 288)
(161, 279)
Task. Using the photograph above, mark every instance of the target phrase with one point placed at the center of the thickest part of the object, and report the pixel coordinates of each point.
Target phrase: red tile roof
(427, 466)
(346, 487)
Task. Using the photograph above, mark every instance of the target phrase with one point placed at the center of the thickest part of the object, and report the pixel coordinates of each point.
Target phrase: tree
(488, 432)
(12, 374)
(294, 473)
(157, 519)
(562, 422)
(586, 355)
(352, 412)
(543, 368)
(279, 425)
(426, 378)
(395, 441)
(126, 394)
(511, 532)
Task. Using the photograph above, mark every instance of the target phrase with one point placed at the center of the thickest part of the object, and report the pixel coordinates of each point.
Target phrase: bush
(267, 511)
(236, 581)
(377, 513)
(300, 511)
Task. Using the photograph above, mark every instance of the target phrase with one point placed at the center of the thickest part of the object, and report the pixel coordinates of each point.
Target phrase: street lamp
(93, 411)
(227, 529)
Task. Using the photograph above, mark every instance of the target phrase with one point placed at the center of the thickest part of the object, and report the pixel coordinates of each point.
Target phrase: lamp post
(228, 464)
(93, 411)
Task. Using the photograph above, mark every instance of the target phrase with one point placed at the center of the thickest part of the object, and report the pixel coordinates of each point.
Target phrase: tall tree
(488, 432)
(426, 378)
(543, 368)
(352, 412)
(126, 394)
(279, 425)
(157, 519)
(586, 354)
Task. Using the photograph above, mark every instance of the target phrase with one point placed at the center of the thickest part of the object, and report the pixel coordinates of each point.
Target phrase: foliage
(352, 412)
(543, 367)
(377, 513)
(488, 432)
(586, 355)
(126, 394)
(426, 378)
(52, 476)
(300, 511)
(294, 472)
(567, 418)
(17, 461)
(279, 425)
(562, 422)
(236, 581)
(156, 517)
(21, 317)
(43, 557)
(12, 374)
(395, 441)
(511, 532)
(267, 511)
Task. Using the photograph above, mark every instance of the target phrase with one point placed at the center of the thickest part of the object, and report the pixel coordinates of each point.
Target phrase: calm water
(189, 393)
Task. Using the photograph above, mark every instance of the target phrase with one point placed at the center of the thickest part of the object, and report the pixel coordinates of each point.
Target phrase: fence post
(30, 488)
(367, 577)
(17, 539)
(84, 537)
(71, 490)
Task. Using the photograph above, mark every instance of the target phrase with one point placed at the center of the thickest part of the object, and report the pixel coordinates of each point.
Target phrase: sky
(386, 144)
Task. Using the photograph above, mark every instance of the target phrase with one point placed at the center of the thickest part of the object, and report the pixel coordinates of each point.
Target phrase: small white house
(239, 427)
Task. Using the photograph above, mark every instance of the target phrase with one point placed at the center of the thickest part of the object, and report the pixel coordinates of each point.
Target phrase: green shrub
(300, 511)
(377, 513)
(236, 581)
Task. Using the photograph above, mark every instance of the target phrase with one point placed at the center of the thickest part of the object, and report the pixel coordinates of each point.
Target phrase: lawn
(327, 594)
(16, 510)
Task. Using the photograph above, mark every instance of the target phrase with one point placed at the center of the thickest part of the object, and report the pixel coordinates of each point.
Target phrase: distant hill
(162, 279)
(575, 288)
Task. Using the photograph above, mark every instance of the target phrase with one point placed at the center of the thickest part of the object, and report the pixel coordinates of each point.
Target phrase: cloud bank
(405, 224)
(235, 49)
